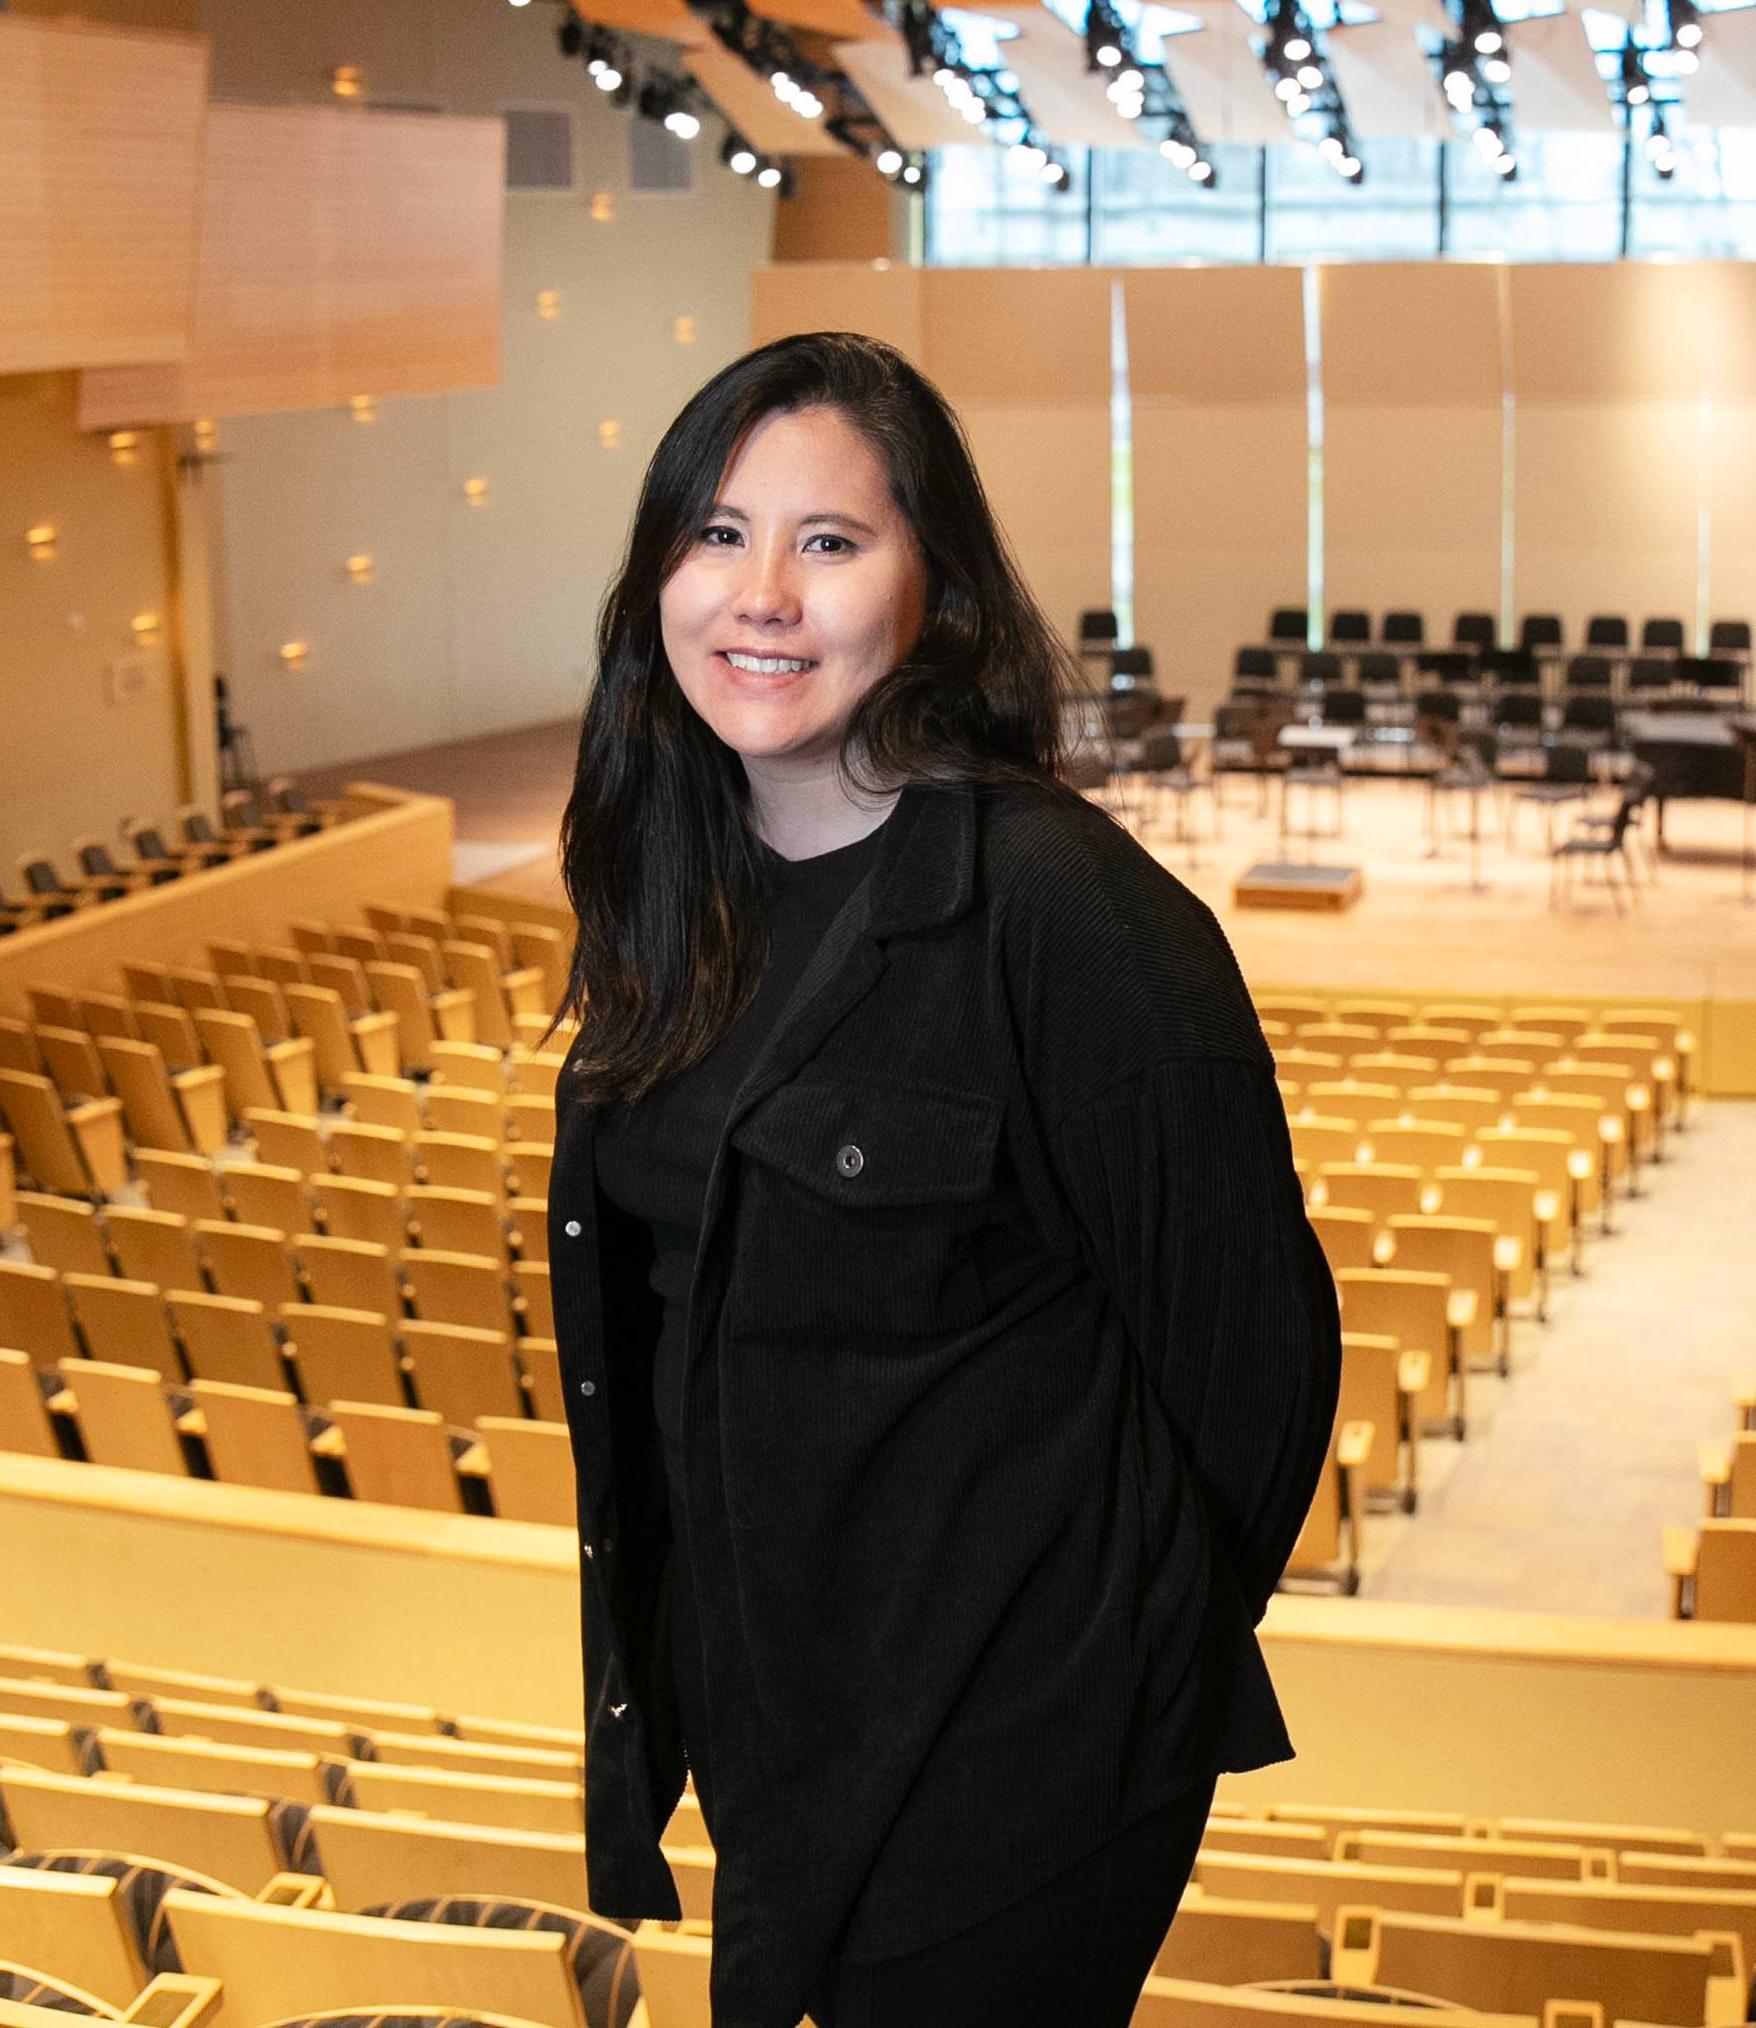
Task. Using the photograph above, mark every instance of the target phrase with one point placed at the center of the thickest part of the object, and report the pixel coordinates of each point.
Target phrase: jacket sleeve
(1181, 1179)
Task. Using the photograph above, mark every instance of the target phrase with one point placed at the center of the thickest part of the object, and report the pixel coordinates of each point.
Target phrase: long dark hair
(658, 855)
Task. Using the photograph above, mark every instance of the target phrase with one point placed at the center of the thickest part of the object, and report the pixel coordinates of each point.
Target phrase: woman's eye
(718, 528)
(842, 539)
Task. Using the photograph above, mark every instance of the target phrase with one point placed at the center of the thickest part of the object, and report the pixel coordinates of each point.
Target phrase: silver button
(588, 1387)
(586, 1550)
(572, 1228)
(849, 1160)
(616, 1710)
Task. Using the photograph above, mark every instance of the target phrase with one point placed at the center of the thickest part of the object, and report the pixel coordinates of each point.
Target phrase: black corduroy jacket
(1012, 1363)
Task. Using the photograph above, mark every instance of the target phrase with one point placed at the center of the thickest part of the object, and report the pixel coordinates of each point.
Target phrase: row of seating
(1538, 632)
(1509, 677)
(253, 820)
(1712, 1567)
(308, 1852)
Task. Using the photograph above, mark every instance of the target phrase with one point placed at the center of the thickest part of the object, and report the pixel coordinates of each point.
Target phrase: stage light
(1687, 62)
(1490, 40)
(737, 154)
(1296, 49)
(684, 125)
(1310, 76)
(41, 541)
(1635, 89)
(1497, 70)
(974, 112)
(1130, 79)
(889, 161)
(1487, 140)
(608, 78)
(1350, 166)
(1504, 164)
(1108, 55)
(1685, 24)
(1178, 153)
(911, 174)
(1286, 88)
(1201, 171)
(1298, 105)
(1331, 146)
(768, 176)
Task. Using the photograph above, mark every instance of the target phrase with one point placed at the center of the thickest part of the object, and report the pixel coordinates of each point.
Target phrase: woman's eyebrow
(841, 520)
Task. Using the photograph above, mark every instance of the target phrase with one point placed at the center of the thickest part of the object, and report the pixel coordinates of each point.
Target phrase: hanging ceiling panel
(1722, 93)
(1386, 83)
(751, 106)
(1066, 100)
(847, 19)
(913, 109)
(1555, 84)
(1221, 79)
(670, 20)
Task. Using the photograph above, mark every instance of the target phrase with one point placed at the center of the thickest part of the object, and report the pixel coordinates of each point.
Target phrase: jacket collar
(924, 875)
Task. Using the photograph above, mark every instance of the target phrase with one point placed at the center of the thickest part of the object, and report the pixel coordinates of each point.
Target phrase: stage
(1446, 926)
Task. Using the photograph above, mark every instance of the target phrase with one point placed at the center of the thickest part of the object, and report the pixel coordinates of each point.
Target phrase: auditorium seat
(1467, 1251)
(270, 1194)
(1329, 1541)
(24, 1417)
(375, 1154)
(457, 1221)
(64, 1233)
(251, 1261)
(1345, 1234)
(461, 1371)
(1382, 1386)
(288, 1140)
(227, 1838)
(255, 1436)
(440, 1749)
(347, 1274)
(1189, 2003)
(1546, 1859)
(213, 1767)
(124, 1418)
(341, 1354)
(124, 1322)
(530, 1466)
(1327, 1885)
(227, 1339)
(1424, 1314)
(34, 1315)
(343, 1042)
(398, 1455)
(370, 1857)
(276, 1964)
(1728, 1473)
(1521, 1966)
(75, 1151)
(153, 1246)
(1713, 1571)
(260, 1075)
(1228, 1942)
(351, 1208)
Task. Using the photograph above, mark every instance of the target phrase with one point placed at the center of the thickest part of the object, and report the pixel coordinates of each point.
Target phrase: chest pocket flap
(876, 1144)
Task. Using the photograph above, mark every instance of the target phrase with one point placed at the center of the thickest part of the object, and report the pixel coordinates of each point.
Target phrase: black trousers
(1073, 1953)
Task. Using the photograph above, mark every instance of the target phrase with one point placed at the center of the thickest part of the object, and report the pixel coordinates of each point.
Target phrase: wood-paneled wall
(100, 163)
(343, 252)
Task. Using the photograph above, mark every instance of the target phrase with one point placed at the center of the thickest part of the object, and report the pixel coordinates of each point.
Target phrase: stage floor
(1430, 924)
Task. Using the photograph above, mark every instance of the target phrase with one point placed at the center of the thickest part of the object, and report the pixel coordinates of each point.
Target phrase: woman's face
(801, 589)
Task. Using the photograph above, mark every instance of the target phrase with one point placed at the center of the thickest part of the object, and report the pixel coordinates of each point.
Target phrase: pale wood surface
(100, 160)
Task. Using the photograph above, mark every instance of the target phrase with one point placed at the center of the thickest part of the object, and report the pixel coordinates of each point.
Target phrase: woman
(949, 1361)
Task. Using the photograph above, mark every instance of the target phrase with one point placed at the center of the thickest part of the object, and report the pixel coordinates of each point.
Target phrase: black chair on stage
(1651, 674)
(1379, 674)
(1518, 720)
(1588, 719)
(1540, 631)
(1662, 637)
(1565, 779)
(1588, 672)
(1509, 668)
(1715, 680)
(1343, 705)
(1246, 733)
(1453, 667)
(1605, 840)
(1320, 669)
(1404, 629)
(1438, 726)
(1729, 637)
(1474, 630)
(1097, 639)
(1289, 626)
(1349, 627)
(1255, 669)
(1607, 630)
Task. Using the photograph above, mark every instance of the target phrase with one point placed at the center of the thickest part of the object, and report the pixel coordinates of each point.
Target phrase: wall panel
(874, 297)
(381, 274)
(1216, 362)
(100, 162)
(1412, 465)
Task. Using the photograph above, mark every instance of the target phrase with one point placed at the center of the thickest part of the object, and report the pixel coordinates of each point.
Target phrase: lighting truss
(988, 100)
(1299, 70)
(1144, 93)
(1475, 72)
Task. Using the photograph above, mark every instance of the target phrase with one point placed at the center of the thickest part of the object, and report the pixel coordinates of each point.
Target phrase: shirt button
(849, 1160)
(588, 1387)
(572, 1228)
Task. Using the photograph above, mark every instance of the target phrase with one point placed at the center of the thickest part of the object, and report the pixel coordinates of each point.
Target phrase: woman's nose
(766, 592)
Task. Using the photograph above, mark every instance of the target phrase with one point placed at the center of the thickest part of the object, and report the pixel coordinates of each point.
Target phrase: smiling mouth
(765, 665)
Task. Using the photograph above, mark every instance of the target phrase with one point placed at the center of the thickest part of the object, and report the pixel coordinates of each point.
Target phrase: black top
(653, 1158)
(1011, 1367)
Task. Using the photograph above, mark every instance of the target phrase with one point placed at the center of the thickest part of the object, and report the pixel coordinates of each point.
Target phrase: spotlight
(1497, 70)
(1685, 24)
(1459, 84)
(1130, 80)
(1310, 76)
(1490, 40)
(912, 173)
(1200, 171)
(1178, 153)
(1635, 89)
(683, 124)
(974, 111)
(1350, 166)
(768, 176)
(889, 161)
(1504, 164)
(1687, 62)
(1487, 139)
(608, 78)
(1297, 105)
(1286, 88)
(737, 154)
(1296, 50)
(1331, 146)
(1108, 55)
(1055, 175)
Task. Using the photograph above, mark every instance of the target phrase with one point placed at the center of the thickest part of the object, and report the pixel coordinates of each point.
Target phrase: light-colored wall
(71, 759)
(477, 618)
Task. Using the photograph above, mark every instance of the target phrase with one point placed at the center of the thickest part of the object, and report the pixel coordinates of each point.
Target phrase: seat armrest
(1413, 1370)
(1354, 1445)
(1460, 1309)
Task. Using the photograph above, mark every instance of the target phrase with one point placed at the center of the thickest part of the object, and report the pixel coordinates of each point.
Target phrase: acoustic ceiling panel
(1222, 81)
(1555, 84)
(847, 19)
(914, 110)
(1386, 82)
(1722, 93)
(670, 20)
(752, 108)
(1066, 101)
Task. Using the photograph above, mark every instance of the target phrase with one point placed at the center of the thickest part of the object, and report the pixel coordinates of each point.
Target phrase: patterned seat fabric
(144, 1887)
(599, 1956)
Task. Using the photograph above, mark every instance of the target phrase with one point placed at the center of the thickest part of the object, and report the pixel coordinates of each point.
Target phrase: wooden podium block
(1275, 884)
